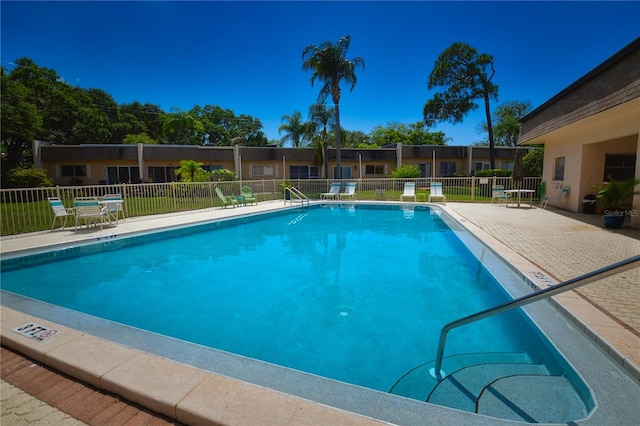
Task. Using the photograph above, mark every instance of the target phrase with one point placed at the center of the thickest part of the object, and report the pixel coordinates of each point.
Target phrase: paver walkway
(566, 246)
(30, 392)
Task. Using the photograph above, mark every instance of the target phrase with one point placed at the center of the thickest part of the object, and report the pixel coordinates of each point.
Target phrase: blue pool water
(355, 294)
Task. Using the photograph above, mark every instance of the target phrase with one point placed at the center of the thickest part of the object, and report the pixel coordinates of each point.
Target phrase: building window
(507, 165)
(210, 167)
(619, 166)
(303, 172)
(374, 170)
(425, 169)
(162, 174)
(73, 171)
(263, 170)
(480, 165)
(346, 172)
(123, 174)
(558, 171)
(447, 168)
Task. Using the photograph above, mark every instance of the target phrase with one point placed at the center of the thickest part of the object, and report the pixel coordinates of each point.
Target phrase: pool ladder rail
(293, 194)
(565, 286)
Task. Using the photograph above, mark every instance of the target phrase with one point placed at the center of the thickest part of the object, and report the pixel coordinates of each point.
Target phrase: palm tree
(323, 119)
(189, 168)
(329, 65)
(294, 128)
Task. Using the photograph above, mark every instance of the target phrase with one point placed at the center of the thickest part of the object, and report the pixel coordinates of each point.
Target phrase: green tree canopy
(183, 127)
(466, 77)
(506, 122)
(329, 65)
(411, 134)
(139, 138)
(21, 122)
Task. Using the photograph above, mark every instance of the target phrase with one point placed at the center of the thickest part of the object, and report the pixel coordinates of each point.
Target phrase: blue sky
(246, 56)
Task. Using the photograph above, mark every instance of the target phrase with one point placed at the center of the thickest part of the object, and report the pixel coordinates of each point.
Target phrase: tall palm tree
(329, 65)
(323, 119)
(294, 128)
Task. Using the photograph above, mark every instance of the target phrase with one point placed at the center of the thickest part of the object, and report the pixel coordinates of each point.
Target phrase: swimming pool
(357, 319)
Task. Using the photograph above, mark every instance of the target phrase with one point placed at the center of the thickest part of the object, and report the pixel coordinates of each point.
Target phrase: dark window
(73, 171)
(619, 166)
(162, 174)
(558, 171)
(447, 168)
(303, 172)
(263, 170)
(372, 169)
(123, 174)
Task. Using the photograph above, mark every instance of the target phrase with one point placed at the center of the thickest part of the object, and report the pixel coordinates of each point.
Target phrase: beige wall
(584, 145)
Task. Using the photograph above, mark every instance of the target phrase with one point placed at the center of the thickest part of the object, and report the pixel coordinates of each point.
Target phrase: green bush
(223, 175)
(494, 172)
(406, 171)
(28, 178)
(532, 162)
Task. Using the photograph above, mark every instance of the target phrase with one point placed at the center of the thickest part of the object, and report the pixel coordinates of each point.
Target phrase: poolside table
(519, 192)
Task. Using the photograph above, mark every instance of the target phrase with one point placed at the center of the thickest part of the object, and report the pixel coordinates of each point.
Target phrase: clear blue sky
(246, 56)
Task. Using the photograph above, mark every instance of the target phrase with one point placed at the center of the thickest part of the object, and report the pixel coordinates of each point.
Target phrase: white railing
(292, 194)
(27, 209)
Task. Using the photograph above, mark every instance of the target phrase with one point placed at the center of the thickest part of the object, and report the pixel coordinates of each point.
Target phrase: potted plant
(284, 185)
(614, 201)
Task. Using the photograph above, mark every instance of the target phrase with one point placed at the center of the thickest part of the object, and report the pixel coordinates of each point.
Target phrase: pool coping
(71, 351)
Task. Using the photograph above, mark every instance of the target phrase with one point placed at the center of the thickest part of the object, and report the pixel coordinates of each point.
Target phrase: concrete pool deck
(547, 246)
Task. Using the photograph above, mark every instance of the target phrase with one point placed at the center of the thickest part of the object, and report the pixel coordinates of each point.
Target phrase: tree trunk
(492, 154)
(325, 155)
(338, 142)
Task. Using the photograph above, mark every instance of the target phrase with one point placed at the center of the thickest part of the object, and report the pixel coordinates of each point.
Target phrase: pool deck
(547, 246)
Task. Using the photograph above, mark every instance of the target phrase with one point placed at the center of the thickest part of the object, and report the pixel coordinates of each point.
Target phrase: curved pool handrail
(568, 285)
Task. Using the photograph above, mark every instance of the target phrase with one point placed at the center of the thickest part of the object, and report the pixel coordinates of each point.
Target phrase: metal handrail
(585, 279)
(293, 191)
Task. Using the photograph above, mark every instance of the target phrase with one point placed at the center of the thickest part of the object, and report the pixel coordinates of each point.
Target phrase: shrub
(28, 178)
(406, 171)
(494, 172)
(532, 162)
(223, 175)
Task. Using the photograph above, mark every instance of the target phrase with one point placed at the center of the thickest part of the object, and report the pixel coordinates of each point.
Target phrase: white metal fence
(27, 209)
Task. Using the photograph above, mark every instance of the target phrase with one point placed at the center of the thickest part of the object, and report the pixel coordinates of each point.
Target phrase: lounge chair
(113, 205)
(226, 201)
(435, 191)
(560, 198)
(497, 193)
(60, 211)
(333, 191)
(247, 194)
(349, 191)
(89, 211)
(409, 191)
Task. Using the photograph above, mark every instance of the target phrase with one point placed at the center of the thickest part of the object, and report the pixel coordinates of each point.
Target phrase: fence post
(473, 188)
(175, 197)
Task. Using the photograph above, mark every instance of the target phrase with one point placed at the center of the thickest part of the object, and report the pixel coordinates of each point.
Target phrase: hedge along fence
(27, 209)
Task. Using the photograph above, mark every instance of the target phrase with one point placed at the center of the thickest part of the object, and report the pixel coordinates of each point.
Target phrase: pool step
(533, 399)
(502, 385)
(460, 389)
